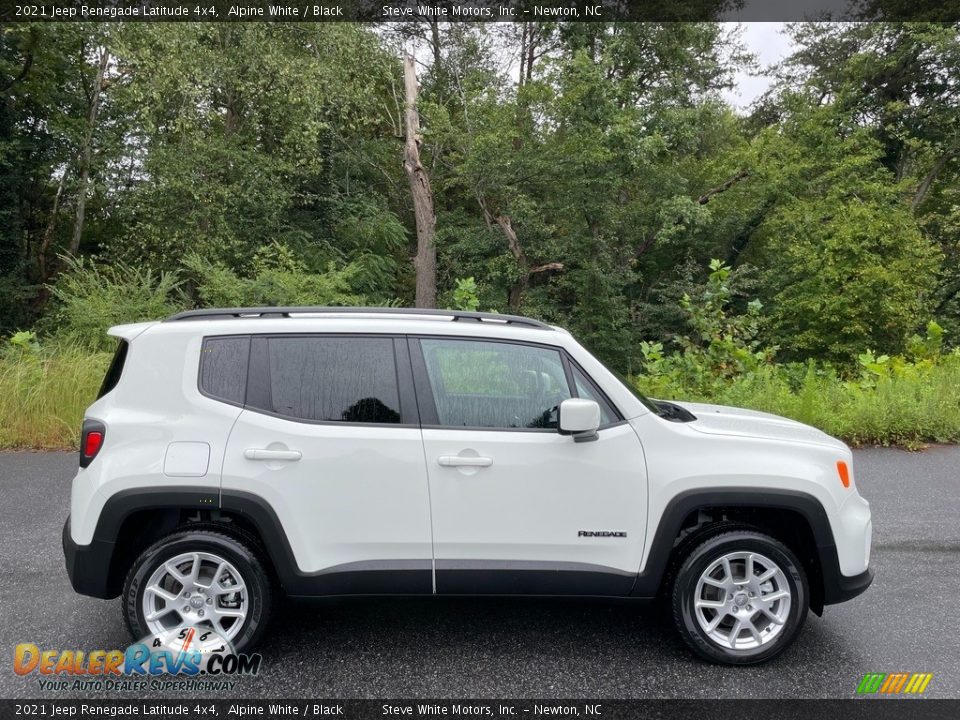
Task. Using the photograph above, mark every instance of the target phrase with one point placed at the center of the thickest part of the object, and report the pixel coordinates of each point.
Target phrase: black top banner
(379, 11)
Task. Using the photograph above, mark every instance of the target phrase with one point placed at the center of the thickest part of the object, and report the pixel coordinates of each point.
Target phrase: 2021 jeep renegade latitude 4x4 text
(349, 451)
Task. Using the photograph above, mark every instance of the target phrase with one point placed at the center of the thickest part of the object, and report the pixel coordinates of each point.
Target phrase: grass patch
(907, 404)
(43, 395)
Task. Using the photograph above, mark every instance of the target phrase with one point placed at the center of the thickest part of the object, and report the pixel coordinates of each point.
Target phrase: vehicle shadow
(447, 647)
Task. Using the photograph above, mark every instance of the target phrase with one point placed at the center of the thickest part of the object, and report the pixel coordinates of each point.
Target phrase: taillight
(91, 440)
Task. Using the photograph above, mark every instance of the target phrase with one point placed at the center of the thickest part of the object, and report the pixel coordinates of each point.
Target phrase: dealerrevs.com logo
(899, 683)
(144, 664)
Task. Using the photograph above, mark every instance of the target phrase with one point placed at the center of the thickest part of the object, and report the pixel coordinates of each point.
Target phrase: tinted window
(586, 389)
(333, 379)
(223, 368)
(112, 377)
(495, 385)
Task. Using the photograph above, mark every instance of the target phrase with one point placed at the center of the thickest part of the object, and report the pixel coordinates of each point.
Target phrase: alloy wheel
(742, 601)
(195, 589)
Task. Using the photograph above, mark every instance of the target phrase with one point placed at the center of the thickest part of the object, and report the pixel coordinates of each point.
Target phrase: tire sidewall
(684, 596)
(243, 559)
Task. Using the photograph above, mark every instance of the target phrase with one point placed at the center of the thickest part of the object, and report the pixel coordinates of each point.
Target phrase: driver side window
(481, 384)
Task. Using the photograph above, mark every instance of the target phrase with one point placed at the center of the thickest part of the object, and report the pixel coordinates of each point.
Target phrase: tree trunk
(86, 152)
(519, 286)
(927, 182)
(527, 273)
(426, 260)
(42, 268)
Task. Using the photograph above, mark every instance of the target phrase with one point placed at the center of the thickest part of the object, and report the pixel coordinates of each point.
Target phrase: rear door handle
(264, 454)
(464, 461)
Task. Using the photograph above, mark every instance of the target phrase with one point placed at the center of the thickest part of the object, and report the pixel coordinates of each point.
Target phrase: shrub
(887, 400)
(278, 279)
(89, 297)
(466, 295)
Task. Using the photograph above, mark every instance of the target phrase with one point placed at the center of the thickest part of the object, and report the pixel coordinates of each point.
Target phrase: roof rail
(266, 312)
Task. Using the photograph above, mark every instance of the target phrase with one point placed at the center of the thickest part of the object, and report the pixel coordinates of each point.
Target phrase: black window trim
(417, 404)
(614, 410)
(115, 369)
(430, 419)
(259, 392)
(246, 382)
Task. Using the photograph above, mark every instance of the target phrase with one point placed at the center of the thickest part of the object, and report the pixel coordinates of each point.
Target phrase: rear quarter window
(223, 368)
(112, 377)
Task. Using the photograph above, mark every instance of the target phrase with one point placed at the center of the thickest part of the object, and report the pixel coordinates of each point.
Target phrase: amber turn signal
(844, 472)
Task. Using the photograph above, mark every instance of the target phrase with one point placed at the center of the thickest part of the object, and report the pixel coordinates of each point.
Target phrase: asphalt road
(494, 648)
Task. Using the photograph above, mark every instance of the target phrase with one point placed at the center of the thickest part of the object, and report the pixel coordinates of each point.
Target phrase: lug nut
(186, 608)
(186, 594)
(749, 607)
(209, 601)
(200, 613)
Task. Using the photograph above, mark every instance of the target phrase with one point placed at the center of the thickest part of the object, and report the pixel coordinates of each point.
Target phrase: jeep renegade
(236, 453)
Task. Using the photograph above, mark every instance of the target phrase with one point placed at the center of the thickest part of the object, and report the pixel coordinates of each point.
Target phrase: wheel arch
(133, 519)
(793, 517)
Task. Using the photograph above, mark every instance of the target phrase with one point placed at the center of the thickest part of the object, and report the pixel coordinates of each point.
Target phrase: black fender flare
(835, 586)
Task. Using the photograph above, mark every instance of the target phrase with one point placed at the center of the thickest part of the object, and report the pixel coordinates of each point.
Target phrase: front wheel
(740, 598)
(201, 579)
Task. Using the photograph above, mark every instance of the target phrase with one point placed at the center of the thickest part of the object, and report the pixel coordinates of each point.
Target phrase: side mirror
(579, 417)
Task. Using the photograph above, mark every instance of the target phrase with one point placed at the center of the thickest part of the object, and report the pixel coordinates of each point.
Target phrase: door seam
(426, 469)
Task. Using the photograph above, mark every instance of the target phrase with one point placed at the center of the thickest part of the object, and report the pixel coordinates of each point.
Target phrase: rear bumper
(88, 566)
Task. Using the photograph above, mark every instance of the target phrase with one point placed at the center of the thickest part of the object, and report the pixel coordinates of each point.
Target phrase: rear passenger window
(223, 368)
(330, 379)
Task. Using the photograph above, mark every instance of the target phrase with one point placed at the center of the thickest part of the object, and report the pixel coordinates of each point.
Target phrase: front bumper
(88, 566)
(841, 588)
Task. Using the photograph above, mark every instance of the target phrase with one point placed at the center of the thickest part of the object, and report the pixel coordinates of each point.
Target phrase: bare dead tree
(43, 269)
(425, 262)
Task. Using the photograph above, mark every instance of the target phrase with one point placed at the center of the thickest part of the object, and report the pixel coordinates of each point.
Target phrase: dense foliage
(907, 399)
(586, 174)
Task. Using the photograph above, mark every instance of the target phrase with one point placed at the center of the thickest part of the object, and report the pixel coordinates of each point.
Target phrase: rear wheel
(740, 598)
(200, 579)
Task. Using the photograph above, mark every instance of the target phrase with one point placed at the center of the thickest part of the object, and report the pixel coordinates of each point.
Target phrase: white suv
(354, 451)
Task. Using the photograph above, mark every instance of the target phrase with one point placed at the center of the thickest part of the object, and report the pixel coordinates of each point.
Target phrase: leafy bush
(90, 297)
(466, 295)
(278, 279)
(888, 400)
(720, 347)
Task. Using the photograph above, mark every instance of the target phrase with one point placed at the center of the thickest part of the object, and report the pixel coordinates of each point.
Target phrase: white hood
(723, 420)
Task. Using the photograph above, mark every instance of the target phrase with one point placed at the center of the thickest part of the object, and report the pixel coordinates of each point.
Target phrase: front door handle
(265, 454)
(464, 461)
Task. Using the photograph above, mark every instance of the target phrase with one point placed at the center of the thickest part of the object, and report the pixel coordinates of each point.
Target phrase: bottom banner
(418, 709)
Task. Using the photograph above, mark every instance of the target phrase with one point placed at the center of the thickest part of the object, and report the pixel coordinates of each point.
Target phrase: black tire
(241, 554)
(700, 558)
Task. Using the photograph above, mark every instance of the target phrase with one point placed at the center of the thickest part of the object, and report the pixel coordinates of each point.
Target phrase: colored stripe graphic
(894, 683)
(871, 682)
(918, 683)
